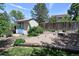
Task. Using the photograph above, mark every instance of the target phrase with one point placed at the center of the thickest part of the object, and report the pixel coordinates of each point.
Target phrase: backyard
(42, 45)
(41, 35)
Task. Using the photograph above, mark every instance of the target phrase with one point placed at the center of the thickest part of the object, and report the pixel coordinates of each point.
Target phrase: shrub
(5, 27)
(35, 31)
(9, 34)
(39, 30)
(63, 30)
(33, 34)
(78, 30)
(51, 30)
(19, 41)
(32, 30)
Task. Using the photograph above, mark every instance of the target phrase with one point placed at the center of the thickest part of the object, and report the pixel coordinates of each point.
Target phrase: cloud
(18, 6)
(50, 5)
(69, 5)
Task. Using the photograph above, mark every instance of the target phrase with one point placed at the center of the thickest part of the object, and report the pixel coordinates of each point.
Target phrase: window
(21, 26)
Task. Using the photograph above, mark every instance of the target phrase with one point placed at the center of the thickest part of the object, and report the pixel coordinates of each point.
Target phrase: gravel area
(45, 37)
(68, 41)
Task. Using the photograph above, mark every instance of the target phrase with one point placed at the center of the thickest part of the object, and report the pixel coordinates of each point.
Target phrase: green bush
(9, 34)
(33, 34)
(19, 41)
(51, 30)
(5, 27)
(78, 30)
(63, 30)
(39, 29)
(35, 31)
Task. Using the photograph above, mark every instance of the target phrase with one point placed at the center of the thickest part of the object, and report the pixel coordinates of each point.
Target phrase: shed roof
(22, 20)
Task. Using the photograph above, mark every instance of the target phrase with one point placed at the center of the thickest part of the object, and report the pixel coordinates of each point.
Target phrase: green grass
(18, 51)
(19, 41)
(30, 51)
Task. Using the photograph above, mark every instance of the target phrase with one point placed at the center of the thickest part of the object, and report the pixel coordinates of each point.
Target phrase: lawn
(18, 51)
(33, 51)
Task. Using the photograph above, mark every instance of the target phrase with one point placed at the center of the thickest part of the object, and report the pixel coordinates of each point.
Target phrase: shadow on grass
(4, 53)
(39, 52)
(53, 52)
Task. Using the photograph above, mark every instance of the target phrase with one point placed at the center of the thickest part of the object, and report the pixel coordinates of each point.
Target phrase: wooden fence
(61, 25)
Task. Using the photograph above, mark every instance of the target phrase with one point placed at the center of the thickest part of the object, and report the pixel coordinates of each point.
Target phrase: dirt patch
(52, 39)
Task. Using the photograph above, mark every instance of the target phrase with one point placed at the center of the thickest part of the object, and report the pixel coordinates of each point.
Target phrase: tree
(52, 19)
(4, 15)
(77, 17)
(2, 6)
(66, 18)
(17, 14)
(74, 10)
(40, 12)
(5, 25)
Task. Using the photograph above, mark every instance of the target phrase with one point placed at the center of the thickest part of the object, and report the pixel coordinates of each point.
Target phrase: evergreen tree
(66, 18)
(40, 12)
(2, 6)
(52, 19)
(74, 10)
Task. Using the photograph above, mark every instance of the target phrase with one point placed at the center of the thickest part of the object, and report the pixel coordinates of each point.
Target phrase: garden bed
(6, 43)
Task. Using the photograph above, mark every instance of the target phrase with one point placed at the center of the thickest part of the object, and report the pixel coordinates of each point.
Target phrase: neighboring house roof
(59, 17)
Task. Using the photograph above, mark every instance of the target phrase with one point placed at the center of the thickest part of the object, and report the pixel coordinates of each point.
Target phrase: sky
(53, 8)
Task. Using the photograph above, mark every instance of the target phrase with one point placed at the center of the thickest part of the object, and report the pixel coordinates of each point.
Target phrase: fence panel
(61, 25)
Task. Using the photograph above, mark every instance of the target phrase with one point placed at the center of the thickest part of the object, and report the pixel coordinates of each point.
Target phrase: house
(23, 26)
(59, 17)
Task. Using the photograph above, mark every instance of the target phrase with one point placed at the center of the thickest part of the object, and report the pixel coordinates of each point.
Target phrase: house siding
(24, 29)
(21, 31)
